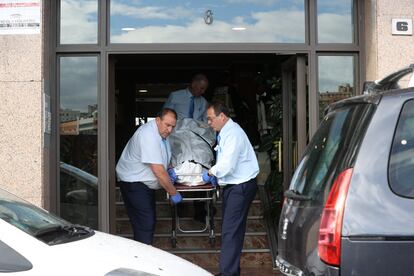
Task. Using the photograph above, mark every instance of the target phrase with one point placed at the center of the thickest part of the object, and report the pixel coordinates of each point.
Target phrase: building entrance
(260, 89)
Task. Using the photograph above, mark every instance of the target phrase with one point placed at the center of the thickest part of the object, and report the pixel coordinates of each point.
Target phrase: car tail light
(329, 241)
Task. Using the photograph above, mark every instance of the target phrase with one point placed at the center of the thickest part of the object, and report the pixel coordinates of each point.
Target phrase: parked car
(34, 242)
(349, 207)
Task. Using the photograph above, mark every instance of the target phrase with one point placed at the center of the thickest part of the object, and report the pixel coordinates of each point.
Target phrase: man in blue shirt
(236, 169)
(189, 102)
(142, 169)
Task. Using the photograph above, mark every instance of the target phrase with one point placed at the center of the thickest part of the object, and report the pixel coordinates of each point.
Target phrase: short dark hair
(165, 111)
(219, 107)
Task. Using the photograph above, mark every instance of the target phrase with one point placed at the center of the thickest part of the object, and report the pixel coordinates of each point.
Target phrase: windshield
(335, 142)
(36, 221)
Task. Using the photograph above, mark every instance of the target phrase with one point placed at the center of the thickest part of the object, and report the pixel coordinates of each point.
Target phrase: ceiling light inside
(238, 28)
(143, 91)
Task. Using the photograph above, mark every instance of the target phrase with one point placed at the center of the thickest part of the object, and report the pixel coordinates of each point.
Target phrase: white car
(34, 242)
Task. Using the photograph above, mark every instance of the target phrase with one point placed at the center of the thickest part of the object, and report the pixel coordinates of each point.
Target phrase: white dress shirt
(180, 101)
(145, 147)
(236, 160)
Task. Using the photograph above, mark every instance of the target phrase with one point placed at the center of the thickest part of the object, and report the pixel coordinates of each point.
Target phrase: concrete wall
(21, 116)
(386, 52)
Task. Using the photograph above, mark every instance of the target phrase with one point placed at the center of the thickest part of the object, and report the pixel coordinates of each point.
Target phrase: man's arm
(163, 178)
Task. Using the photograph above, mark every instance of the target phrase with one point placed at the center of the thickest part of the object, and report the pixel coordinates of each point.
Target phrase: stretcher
(206, 193)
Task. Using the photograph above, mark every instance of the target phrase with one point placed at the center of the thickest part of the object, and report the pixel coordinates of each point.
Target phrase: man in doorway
(142, 169)
(236, 169)
(189, 102)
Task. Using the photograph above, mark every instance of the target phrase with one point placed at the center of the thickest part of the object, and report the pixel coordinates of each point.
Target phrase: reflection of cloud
(79, 22)
(337, 7)
(335, 71)
(335, 28)
(274, 26)
(148, 12)
(256, 2)
(78, 82)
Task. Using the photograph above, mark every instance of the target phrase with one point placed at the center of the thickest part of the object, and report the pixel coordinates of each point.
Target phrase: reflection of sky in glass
(335, 24)
(335, 71)
(78, 82)
(183, 21)
(79, 22)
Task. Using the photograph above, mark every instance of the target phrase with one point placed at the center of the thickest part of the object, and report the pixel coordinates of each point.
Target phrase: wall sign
(402, 26)
(20, 17)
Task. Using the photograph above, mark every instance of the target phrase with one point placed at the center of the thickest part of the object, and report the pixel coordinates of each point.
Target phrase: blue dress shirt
(236, 160)
(180, 101)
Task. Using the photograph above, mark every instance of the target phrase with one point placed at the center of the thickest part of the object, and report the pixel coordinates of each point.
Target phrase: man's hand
(177, 198)
(209, 179)
(172, 174)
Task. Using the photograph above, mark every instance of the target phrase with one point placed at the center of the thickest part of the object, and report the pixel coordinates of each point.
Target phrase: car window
(24, 215)
(38, 222)
(330, 144)
(401, 165)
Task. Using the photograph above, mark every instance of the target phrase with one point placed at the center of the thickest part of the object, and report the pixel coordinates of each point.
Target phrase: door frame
(294, 68)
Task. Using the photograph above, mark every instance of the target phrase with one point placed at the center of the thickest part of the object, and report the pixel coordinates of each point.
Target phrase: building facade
(90, 71)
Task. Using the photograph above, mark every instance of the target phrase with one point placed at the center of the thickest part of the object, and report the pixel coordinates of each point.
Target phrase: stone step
(164, 226)
(252, 241)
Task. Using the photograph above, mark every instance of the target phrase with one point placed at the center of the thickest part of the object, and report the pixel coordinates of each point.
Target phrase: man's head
(217, 115)
(198, 85)
(166, 121)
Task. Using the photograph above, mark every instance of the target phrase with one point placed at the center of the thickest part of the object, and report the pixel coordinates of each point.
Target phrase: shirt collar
(189, 94)
(226, 128)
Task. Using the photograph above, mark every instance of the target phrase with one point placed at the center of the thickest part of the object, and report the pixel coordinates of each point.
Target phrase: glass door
(294, 90)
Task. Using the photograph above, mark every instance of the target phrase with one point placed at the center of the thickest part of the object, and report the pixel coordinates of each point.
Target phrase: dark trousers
(139, 201)
(236, 203)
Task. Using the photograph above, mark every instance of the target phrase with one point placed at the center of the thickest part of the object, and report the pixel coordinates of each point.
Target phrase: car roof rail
(389, 82)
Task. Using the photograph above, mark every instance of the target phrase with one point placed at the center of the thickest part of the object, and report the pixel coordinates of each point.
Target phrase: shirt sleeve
(229, 150)
(150, 148)
(169, 103)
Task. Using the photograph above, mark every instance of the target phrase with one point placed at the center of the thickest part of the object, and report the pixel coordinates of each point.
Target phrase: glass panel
(335, 21)
(216, 21)
(336, 79)
(79, 140)
(78, 22)
(401, 167)
(320, 161)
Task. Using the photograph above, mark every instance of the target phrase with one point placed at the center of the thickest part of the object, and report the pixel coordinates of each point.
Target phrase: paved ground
(262, 271)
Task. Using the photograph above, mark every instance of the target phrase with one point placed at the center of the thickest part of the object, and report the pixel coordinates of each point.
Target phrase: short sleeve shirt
(145, 147)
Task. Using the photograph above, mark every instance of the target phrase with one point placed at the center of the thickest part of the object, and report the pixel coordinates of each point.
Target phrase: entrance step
(198, 248)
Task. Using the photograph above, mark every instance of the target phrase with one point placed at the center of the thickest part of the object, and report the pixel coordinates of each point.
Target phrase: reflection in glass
(79, 140)
(78, 22)
(335, 21)
(335, 79)
(207, 22)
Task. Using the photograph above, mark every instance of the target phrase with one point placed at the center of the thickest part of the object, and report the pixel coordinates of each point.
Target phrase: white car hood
(96, 255)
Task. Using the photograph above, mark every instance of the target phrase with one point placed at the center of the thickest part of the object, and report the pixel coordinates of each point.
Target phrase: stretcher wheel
(173, 239)
(212, 238)
(212, 242)
(174, 243)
